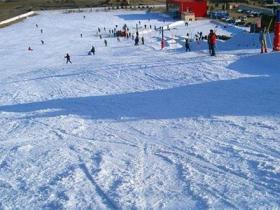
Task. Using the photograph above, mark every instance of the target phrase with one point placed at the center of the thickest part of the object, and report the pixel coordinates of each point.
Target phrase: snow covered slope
(136, 127)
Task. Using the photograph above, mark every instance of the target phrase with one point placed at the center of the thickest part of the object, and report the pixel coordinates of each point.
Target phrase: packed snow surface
(136, 127)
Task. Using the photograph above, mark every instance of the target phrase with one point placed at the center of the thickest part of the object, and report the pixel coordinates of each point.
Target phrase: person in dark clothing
(92, 50)
(212, 38)
(41, 31)
(105, 42)
(187, 43)
(42, 42)
(208, 42)
(81, 35)
(142, 39)
(68, 60)
(136, 41)
(200, 35)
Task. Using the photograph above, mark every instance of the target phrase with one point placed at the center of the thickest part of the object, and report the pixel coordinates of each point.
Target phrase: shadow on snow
(250, 96)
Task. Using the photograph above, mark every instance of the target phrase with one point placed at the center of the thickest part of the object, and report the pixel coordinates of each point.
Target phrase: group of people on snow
(211, 40)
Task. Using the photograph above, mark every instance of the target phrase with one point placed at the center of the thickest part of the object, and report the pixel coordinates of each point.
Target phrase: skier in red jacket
(212, 38)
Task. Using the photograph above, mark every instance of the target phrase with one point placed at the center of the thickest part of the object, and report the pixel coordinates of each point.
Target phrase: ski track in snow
(135, 127)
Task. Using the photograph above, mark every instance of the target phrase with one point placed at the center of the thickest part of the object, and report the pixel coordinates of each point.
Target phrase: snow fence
(16, 18)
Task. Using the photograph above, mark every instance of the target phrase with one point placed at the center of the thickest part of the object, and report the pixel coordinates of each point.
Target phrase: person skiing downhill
(212, 38)
(262, 39)
(68, 60)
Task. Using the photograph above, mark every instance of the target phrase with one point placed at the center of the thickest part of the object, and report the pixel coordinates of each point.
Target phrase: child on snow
(92, 51)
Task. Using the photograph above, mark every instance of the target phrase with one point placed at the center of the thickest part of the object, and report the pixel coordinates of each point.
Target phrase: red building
(198, 7)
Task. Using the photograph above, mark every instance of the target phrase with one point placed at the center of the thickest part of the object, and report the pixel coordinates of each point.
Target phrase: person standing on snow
(208, 42)
(105, 42)
(92, 50)
(187, 43)
(142, 39)
(200, 35)
(212, 38)
(68, 60)
(262, 39)
(136, 41)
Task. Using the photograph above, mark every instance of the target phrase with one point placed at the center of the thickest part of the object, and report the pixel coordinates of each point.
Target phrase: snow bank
(267, 64)
(16, 18)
